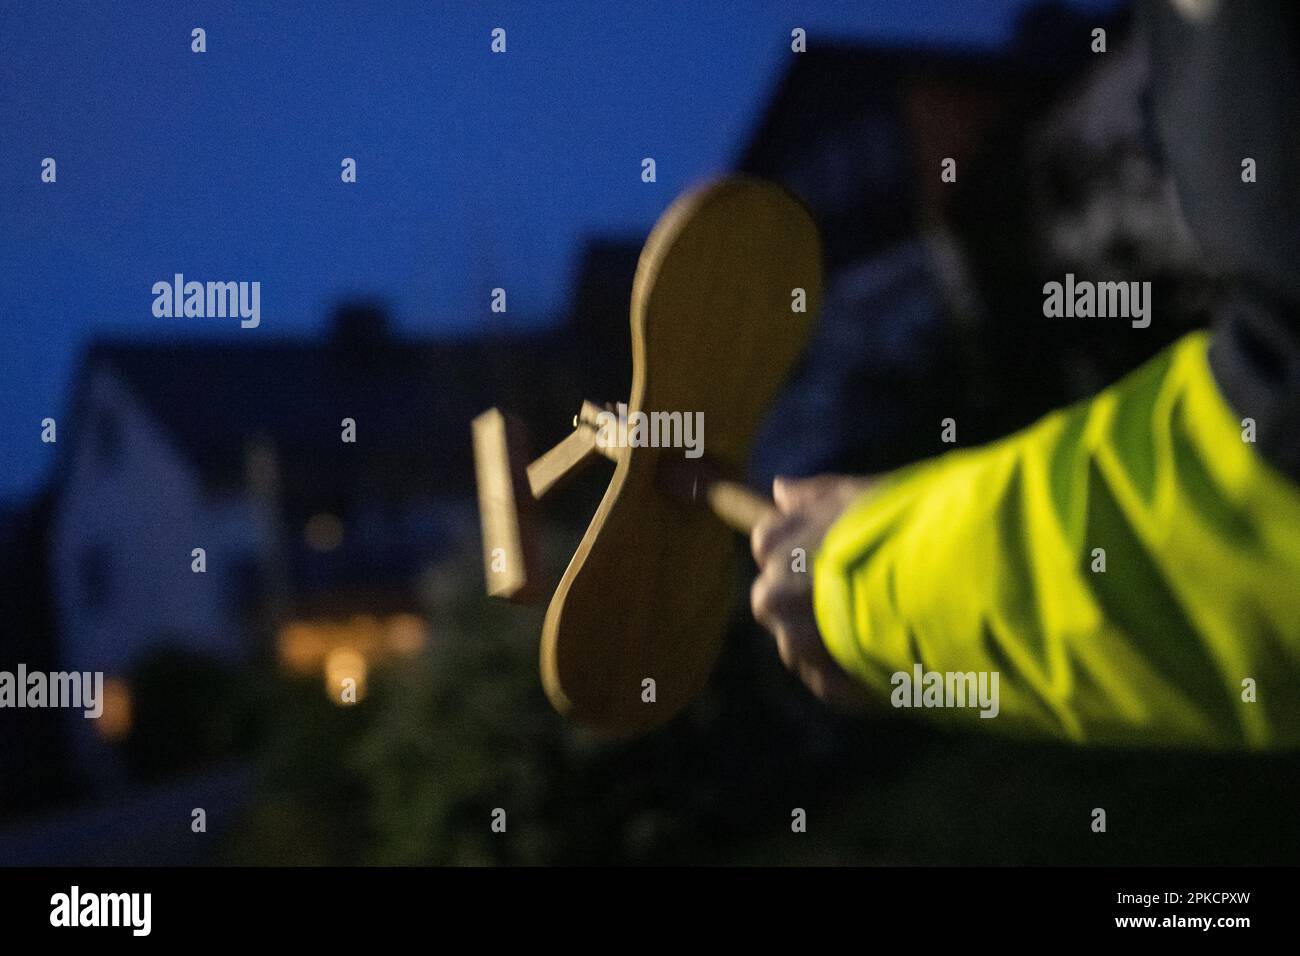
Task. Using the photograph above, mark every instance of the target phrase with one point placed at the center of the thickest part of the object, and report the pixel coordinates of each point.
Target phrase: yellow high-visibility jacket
(991, 560)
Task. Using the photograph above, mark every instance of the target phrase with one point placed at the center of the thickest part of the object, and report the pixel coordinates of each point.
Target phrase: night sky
(474, 170)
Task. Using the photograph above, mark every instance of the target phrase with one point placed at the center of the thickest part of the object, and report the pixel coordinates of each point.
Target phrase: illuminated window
(347, 648)
(115, 722)
(345, 676)
(404, 634)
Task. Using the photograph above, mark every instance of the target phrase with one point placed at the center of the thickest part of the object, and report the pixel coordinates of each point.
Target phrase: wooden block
(561, 463)
(505, 506)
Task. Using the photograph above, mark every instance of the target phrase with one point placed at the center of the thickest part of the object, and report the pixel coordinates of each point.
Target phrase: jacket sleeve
(1129, 568)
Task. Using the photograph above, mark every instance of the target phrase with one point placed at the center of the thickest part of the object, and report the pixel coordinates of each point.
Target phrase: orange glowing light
(115, 722)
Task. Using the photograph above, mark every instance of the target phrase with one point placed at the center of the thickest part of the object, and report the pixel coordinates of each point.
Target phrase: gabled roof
(412, 401)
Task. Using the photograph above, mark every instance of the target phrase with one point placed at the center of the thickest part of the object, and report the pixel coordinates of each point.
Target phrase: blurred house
(289, 500)
(316, 476)
(860, 133)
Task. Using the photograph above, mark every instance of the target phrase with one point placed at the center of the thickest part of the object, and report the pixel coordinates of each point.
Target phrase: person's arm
(990, 560)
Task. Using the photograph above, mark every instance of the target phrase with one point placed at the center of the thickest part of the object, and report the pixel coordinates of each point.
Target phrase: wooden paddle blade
(715, 331)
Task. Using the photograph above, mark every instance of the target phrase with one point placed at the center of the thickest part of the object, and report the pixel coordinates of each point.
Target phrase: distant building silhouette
(859, 133)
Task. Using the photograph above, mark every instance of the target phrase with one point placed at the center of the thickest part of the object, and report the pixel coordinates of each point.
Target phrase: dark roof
(834, 82)
(412, 399)
(412, 402)
(836, 131)
(832, 85)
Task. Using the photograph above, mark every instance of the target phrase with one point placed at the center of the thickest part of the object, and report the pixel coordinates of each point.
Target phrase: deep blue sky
(474, 170)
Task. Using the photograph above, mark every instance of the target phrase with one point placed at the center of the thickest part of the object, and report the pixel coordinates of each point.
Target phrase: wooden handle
(694, 482)
(737, 506)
